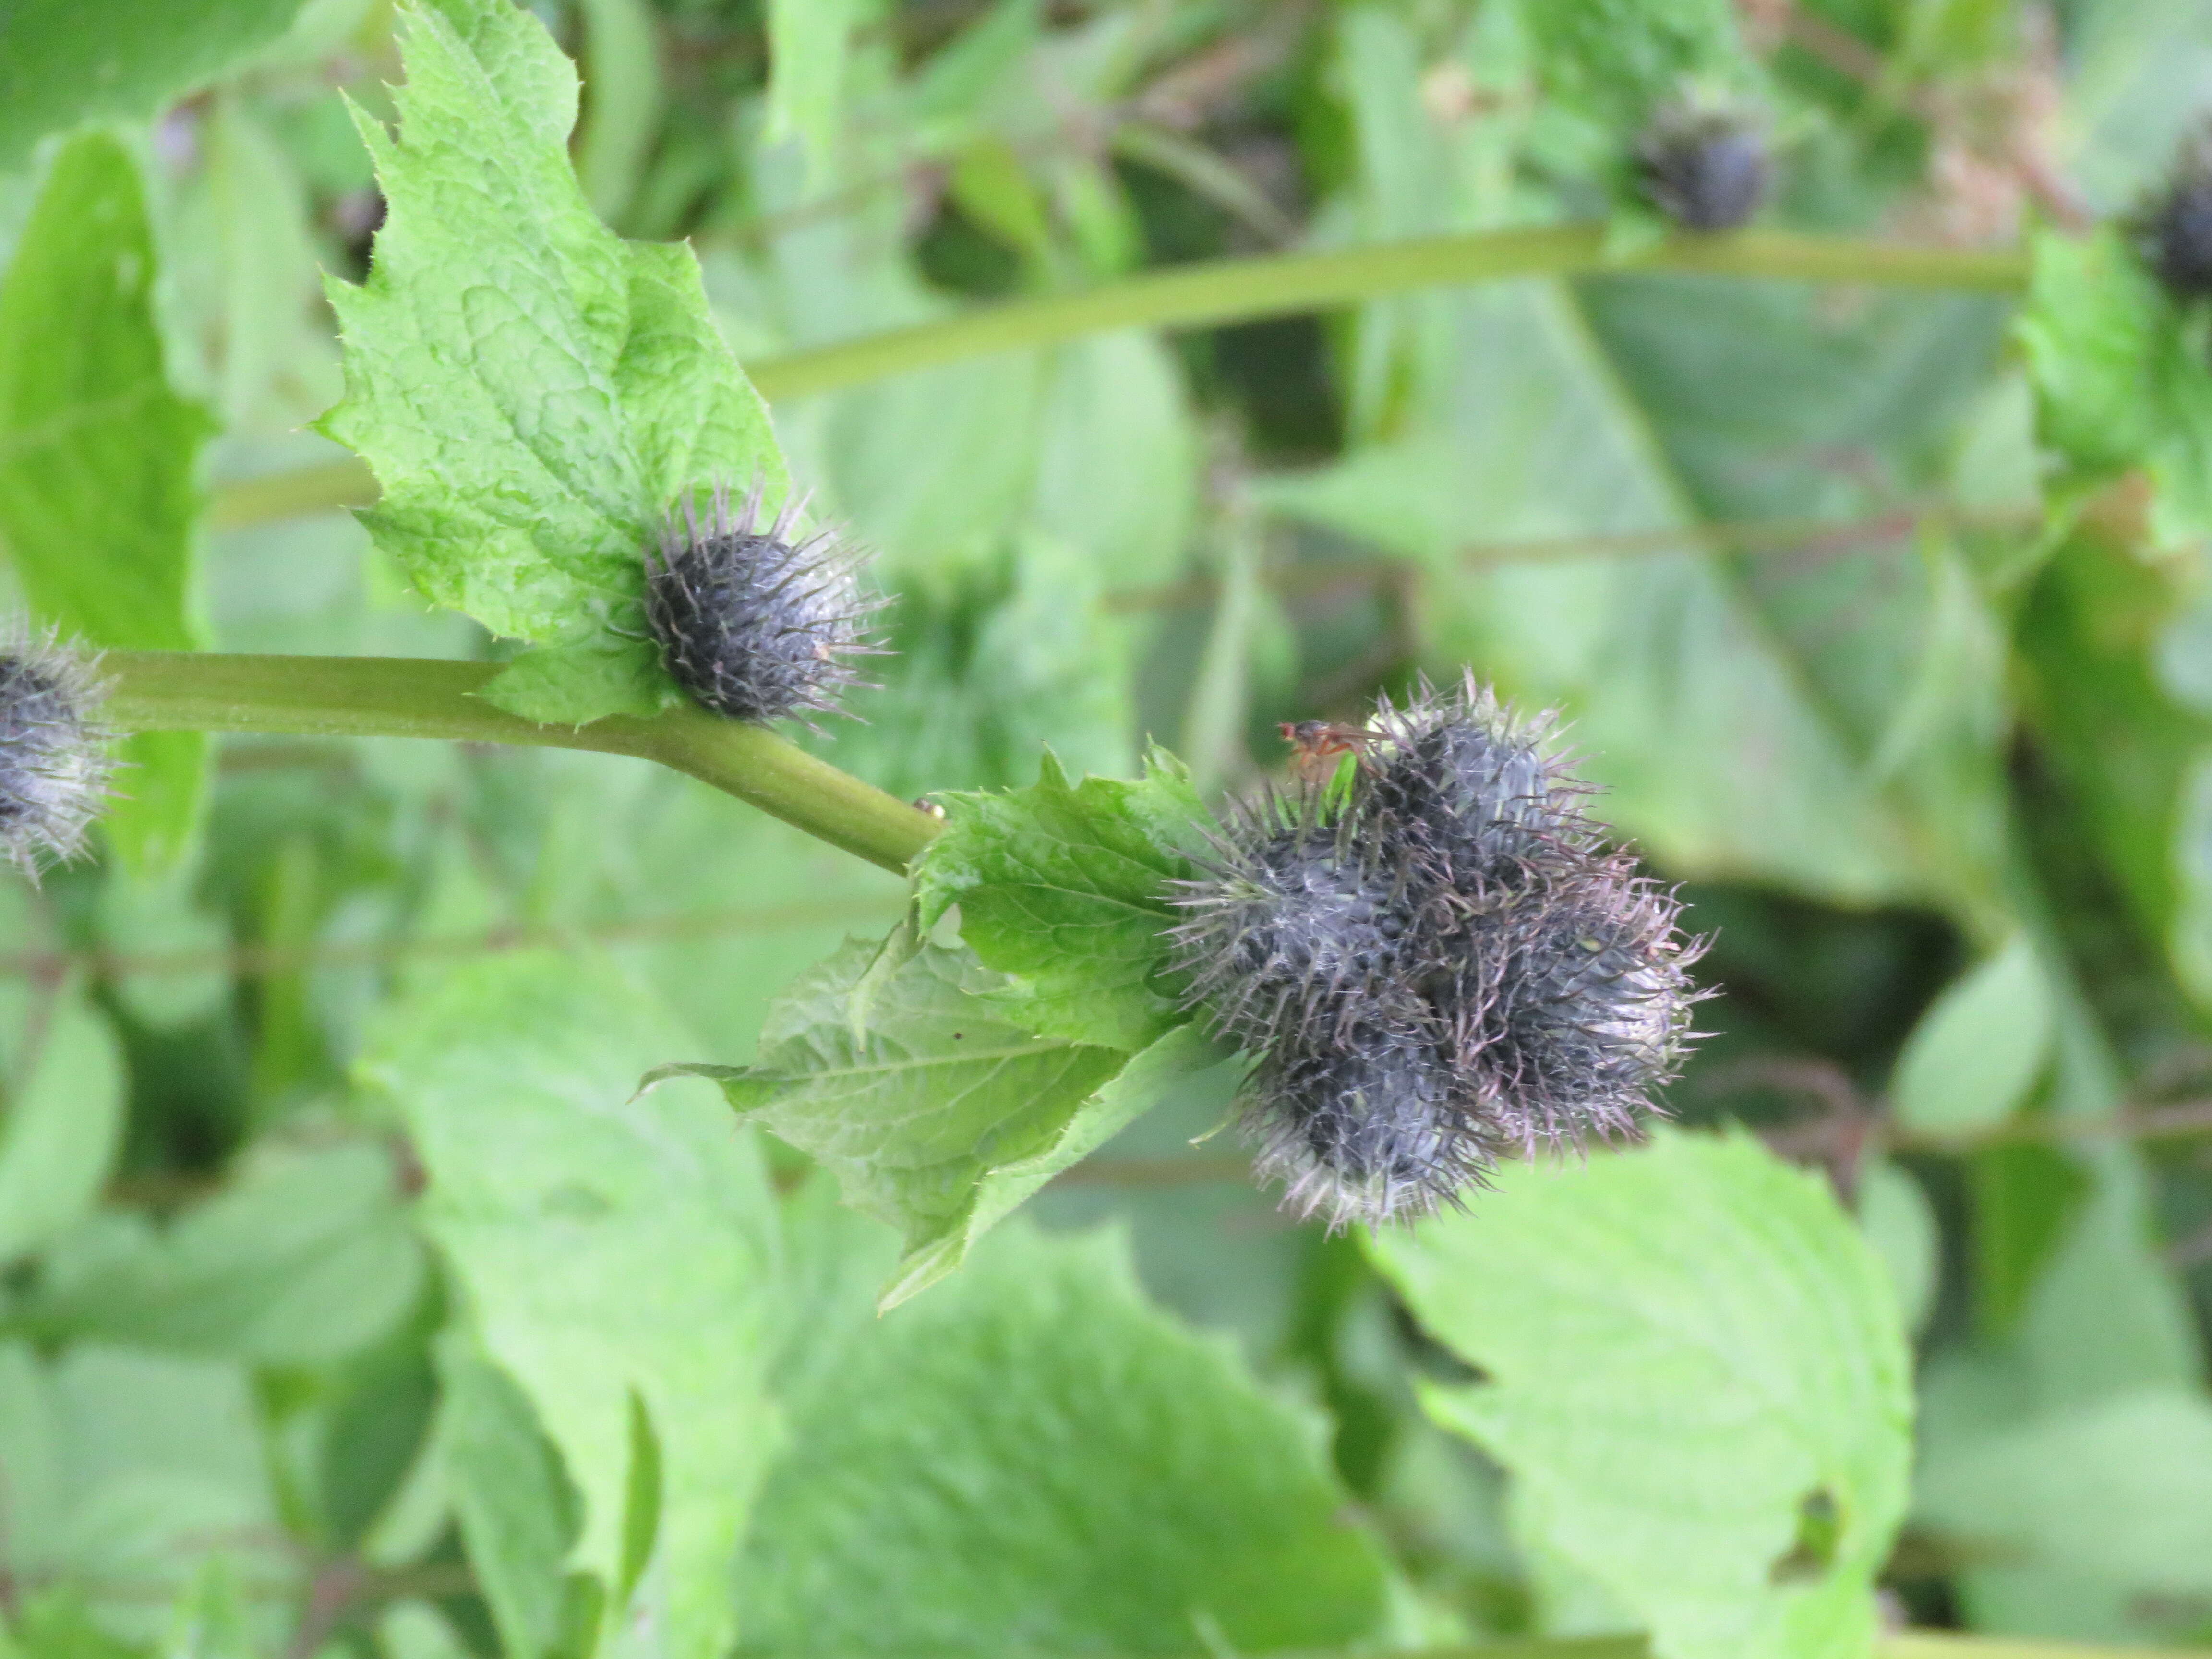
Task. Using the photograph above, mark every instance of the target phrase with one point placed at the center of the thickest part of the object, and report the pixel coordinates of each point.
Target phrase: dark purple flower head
(54, 765)
(753, 623)
(2175, 228)
(1706, 169)
(1433, 961)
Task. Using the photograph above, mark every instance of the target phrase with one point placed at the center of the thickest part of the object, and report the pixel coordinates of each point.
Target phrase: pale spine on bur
(55, 769)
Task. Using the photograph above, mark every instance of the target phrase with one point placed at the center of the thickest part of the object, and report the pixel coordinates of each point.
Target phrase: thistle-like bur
(2175, 228)
(1436, 961)
(752, 622)
(54, 765)
(1706, 169)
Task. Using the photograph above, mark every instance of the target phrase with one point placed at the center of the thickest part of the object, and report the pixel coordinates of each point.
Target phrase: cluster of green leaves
(359, 1297)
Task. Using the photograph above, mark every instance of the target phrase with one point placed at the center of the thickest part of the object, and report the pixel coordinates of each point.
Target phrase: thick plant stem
(407, 697)
(1237, 290)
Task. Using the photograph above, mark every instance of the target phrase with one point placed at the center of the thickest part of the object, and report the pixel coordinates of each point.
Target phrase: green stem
(1273, 285)
(409, 697)
(1234, 290)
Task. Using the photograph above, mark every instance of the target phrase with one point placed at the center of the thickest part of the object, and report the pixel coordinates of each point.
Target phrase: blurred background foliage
(1935, 769)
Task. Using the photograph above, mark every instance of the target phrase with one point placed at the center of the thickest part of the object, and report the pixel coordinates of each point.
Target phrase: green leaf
(306, 1260)
(621, 66)
(1117, 457)
(56, 71)
(1065, 886)
(1977, 1052)
(894, 1066)
(2095, 1521)
(98, 457)
(126, 1471)
(516, 1079)
(1899, 1224)
(2120, 378)
(518, 1511)
(1613, 60)
(533, 393)
(1695, 1372)
(1716, 757)
(807, 44)
(1034, 1460)
(56, 1624)
(63, 1125)
(981, 682)
(208, 1620)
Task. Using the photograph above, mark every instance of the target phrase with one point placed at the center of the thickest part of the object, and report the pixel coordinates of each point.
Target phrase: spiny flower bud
(1362, 1127)
(2175, 228)
(1471, 792)
(1293, 929)
(1440, 962)
(1586, 1010)
(1705, 168)
(752, 623)
(54, 767)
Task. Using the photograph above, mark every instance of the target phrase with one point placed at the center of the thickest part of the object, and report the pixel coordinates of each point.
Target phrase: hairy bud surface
(54, 766)
(751, 623)
(1434, 964)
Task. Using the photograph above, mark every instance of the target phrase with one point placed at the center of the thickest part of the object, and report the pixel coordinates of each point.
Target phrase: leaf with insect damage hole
(1065, 886)
(534, 393)
(1694, 1368)
(897, 1068)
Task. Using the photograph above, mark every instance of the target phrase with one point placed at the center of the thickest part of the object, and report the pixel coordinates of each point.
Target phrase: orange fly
(1317, 745)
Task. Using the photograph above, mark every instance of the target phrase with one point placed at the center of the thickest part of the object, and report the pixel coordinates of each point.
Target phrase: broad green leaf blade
(807, 43)
(1613, 60)
(1695, 1372)
(513, 1499)
(895, 1068)
(63, 1127)
(100, 495)
(983, 680)
(517, 1080)
(2095, 1520)
(622, 63)
(304, 1261)
(1117, 457)
(2120, 379)
(1715, 757)
(1975, 1054)
(1067, 886)
(60, 67)
(126, 1471)
(1900, 1225)
(533, 393)
(1034, 1460)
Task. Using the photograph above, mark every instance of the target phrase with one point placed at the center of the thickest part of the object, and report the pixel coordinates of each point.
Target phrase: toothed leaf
(534, 393)
(1065, 886)
(893, 1066)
